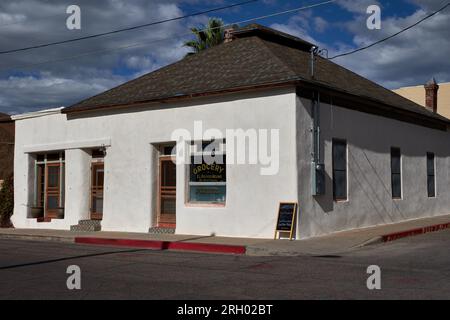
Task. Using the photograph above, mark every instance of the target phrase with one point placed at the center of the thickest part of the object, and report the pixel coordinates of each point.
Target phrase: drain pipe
(317, 166)
(313, 52)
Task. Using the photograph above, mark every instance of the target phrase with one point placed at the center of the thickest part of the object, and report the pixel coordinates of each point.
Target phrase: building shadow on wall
(326, 201)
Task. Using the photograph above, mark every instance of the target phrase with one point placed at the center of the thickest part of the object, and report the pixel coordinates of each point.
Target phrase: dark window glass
(396, 176)
(169, 174)
(53, 156)
(431, 176)
(98, 154)
(53, 176)
(97, 204)
(40, 185)
(339, 170)
(168, 206)
(52, 202)
(168, 150)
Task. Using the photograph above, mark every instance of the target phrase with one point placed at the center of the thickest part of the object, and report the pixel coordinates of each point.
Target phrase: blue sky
(51, 77)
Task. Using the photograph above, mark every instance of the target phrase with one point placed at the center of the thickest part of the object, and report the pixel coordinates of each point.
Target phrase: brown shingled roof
(259, 56)
(4, 117)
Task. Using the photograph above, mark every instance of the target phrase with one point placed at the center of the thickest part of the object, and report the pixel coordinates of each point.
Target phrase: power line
(394, 35)
(131, 28)
(138, 44)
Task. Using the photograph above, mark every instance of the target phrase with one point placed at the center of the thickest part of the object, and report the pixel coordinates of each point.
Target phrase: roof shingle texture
(245, 62)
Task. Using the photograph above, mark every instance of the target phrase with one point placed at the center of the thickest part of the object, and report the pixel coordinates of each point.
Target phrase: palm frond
(209, 36)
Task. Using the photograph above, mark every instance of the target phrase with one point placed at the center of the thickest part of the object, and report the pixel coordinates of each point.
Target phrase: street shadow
(70, 258)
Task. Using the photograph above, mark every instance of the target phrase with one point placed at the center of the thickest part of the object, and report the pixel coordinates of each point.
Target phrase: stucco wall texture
(369, 141)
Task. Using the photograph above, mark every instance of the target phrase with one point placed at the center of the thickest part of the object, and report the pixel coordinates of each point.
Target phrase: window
(207, 173)
(49, 184)
(396, 174)
(431, 175)
(339, 170)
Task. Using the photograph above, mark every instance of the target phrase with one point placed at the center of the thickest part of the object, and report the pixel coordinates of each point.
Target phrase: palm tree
(209, 36)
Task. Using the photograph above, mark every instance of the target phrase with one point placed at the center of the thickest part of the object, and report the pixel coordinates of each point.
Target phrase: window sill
(205, 205)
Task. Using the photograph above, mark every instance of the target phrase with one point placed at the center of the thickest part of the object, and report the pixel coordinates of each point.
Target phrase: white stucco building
(351, 153)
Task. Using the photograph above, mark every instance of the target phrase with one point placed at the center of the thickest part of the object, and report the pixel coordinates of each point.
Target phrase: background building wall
(369, 140)
(6, 149)
(417, 94)
(130, 186)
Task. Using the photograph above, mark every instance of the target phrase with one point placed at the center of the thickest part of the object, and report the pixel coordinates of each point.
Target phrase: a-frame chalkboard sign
(287, 214)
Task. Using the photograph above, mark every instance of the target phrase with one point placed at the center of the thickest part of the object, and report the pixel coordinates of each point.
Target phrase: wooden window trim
(42, 189)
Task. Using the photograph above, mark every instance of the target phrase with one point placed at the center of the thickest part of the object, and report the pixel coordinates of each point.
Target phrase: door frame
(52, 191)
(159, 223)
(96, 189)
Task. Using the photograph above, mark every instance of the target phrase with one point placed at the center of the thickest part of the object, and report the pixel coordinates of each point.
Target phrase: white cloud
(358, 7)
(138, 62)
(45, 90)
(320, 24)
(32, 22)
(411, 58)
(299, 25)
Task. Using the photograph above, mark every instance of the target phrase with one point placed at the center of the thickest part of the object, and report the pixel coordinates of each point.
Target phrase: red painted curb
(415, 232)
(121, 242)
(164, 245)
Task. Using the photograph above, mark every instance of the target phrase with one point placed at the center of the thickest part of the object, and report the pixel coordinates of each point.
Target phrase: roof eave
(365, 104)
(378, 107)
(166, 99)
(37, 114)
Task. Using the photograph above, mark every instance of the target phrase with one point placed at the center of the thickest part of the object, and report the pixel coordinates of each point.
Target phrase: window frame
(399, 173)
(41, 187)
(336, 141)
(194, 152)
(434, 195)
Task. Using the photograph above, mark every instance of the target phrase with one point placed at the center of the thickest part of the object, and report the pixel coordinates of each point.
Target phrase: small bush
(6, 203)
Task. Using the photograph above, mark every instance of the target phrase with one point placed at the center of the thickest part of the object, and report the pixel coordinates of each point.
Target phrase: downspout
(313, 52)
(317, 166)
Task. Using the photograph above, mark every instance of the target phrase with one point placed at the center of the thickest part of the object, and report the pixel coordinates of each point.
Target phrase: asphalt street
(412, 268)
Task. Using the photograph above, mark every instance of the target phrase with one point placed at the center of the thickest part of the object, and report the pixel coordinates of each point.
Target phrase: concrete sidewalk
(333, 244)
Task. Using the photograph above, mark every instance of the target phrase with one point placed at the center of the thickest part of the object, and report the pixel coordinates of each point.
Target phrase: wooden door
(167, 192)
(97, 186)
(53, 190)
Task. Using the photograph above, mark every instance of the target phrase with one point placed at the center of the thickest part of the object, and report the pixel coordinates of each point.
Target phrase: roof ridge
(264, 42)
